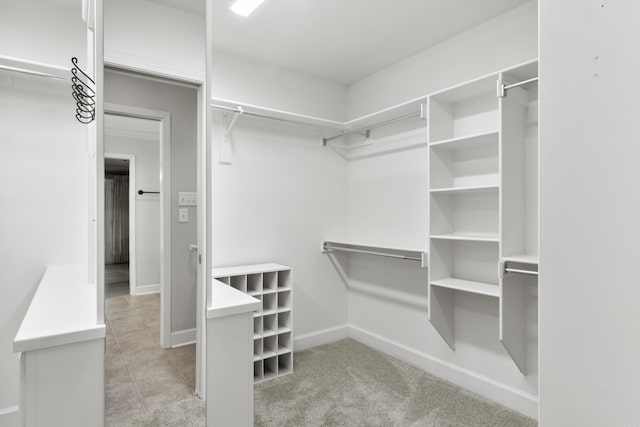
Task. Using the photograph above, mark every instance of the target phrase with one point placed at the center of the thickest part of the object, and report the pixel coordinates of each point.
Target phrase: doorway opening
(117, 250)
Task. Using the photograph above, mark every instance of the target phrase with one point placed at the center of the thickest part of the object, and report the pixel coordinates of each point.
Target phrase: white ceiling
(342, 40)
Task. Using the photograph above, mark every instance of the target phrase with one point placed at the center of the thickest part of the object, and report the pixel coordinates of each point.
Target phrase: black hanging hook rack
(84, 93)
(141, 192)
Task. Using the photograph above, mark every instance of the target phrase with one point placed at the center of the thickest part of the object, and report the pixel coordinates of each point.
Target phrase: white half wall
(506, 40)
(590, 205)
(147, 207)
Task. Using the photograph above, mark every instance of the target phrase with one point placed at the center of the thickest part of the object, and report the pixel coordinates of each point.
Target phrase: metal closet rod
(239, 110)
(30, 72)
(516, 270)
(502, 88)
(329, 248)
(365, 130)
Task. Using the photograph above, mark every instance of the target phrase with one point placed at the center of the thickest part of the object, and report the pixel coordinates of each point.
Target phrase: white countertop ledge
(227, 301)
(62, 311)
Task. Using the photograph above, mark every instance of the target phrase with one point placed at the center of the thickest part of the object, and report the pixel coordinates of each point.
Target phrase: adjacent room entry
(116, 191)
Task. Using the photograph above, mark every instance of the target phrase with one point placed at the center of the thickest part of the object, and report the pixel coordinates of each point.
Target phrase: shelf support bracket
(237, 113)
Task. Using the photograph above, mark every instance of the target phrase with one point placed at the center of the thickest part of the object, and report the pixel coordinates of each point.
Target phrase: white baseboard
(503, 394)
(325, 336)
(185, 337)
(10, 417)
(147, 289)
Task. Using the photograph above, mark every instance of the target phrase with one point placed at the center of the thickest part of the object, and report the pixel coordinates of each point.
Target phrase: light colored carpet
(349, 384)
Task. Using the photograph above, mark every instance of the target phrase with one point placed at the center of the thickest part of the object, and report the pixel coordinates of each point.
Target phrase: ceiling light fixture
(244, 7)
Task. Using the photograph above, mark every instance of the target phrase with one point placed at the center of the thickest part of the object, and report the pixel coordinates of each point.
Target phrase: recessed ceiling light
(244, 7)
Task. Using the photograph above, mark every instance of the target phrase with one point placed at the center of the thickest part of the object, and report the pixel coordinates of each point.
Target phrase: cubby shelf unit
(272, 284)
(483, 205)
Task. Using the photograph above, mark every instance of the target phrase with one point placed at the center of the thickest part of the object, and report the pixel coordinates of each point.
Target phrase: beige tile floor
(140, 376)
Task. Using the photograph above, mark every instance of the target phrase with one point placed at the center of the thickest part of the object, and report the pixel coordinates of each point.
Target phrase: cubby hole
(269, 303)
(239, 283)
(258, 313)
(269, 282)
(285, 364)
(270, 346)
(270, 367)
(254, 284)
(258, 371)
(225, 280)
(284, 343)
(257, 349)
(474, 213)
(257, 327)
(269, 325)
(284, 301)
(284, 322)
(284, 279)
(473, 261)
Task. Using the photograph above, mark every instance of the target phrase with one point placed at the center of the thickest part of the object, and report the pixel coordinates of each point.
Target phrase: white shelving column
(272, 284)
(519, 207)
(464, 185)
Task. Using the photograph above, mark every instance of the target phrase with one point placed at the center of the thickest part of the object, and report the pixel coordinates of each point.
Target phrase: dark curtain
(117, 219)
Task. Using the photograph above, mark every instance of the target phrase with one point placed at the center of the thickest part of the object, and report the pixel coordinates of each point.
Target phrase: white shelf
(467, 141)
(522, 259)
(465, 189)
(467, 286)
(468, 237)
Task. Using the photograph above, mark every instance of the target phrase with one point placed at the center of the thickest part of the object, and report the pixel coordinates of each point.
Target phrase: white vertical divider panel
(96, 41)
(513, 113)
(205, 238)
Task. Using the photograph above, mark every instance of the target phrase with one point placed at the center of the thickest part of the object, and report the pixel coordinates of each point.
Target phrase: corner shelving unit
(272, 284)
(483, 201)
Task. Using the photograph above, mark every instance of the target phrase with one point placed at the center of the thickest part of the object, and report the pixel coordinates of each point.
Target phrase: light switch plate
(187, 198)
(183, 215)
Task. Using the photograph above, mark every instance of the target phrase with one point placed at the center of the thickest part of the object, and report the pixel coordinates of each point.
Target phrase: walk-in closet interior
(364, 212)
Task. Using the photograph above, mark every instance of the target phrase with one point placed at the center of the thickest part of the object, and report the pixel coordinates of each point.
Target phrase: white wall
(44, 201)
(590, 205)
(388, 199)
(252, 82)
(147, 206)
(181, 103)
(504, 41)
(44, 197)
(280, 198)
(146, 36)
(46, 31)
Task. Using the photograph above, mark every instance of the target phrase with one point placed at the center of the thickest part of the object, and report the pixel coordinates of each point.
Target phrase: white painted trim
(184, 337)
(131, 133)
(165, 210)
(501, 393)
(10, 417)
(133, 271)
(325, 336)
(148, 289)
(154, 67)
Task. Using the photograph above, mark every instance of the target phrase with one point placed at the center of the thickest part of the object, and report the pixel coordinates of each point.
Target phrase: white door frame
(132, 214)
(165, 207)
